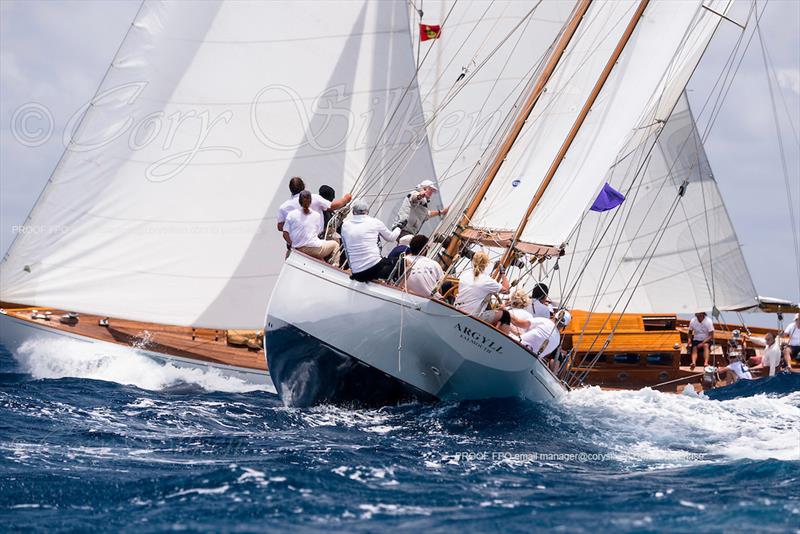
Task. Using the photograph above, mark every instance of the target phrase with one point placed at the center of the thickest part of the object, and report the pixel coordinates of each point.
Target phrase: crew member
(736, 369)
(540, 303)
(318, 204)
(543, 338)
(360, 237)
(792, 332)
(302, 228)
(475, 287)
(701, 336)
(521, 318)
(414, 209)
(422, 274)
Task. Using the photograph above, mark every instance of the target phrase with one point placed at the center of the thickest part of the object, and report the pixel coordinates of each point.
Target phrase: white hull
(15, 332)
(329, 338)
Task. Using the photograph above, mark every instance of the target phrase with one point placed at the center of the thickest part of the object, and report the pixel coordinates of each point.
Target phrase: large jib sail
(645, 258)
(643, 85)
(163, 206)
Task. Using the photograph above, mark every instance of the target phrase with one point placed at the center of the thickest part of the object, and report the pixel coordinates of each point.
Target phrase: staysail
(163, 207)
(692, 262)
(643, 86)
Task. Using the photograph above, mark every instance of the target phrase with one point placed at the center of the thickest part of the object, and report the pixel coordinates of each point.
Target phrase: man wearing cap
(792, 350)
(701, 336)
(360, 237)
(414, 209)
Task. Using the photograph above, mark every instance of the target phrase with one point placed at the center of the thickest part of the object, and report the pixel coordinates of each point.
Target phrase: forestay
(696, 264)
(163, 207)
(643, 86)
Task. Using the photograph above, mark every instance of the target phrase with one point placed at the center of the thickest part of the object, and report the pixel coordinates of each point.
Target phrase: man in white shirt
(540, 303)
(544, 337)
(792, 332)
(772, 351)
(318, 204)
(302, 228)
(736, 370)
(422, 274)
(360, 236)
(701, 336)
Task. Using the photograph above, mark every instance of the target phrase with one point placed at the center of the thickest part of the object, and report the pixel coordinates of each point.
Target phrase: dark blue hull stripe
(306, 372)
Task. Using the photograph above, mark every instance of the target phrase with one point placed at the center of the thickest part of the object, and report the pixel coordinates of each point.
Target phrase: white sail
(163, 207)
(496, 45)
(697, 263)
(643, 86)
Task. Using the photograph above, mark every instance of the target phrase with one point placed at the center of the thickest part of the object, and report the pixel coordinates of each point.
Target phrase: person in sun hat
(414, 210)
(701, 337)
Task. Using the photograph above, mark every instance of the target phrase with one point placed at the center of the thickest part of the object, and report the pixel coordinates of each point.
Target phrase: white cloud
(789, 79)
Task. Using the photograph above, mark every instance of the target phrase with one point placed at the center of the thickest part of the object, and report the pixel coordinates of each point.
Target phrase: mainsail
(643, 260)
(163, 207)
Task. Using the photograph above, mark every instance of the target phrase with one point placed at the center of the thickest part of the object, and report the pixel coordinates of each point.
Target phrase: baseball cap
(427, 183)
(360, 206)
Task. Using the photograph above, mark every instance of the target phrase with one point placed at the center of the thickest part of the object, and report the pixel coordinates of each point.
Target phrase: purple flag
(608, 199)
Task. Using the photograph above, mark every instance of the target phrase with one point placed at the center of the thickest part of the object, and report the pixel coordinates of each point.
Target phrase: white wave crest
(62, 358)
(666, 428)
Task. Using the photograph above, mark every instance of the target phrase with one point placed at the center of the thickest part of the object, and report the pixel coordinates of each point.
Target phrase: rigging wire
(784, 167)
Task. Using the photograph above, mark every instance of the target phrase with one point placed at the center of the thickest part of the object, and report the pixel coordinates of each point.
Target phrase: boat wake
(67, 358)
(667, 430)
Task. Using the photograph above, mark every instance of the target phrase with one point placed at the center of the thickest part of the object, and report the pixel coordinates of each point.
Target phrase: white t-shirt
(521, 315)
(303, 229)
(772, 357)
(318, 205)
(702, 330)
(794, 334)
(541, 330)
(537, 309)
(472, 291)
(422, 274)
(360, 236)
(741, 371)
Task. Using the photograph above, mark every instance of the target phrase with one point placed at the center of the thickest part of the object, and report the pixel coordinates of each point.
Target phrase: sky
(54, 53)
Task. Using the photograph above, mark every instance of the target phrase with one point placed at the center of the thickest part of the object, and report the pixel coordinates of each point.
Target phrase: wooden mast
(575, 128)
(544, 77)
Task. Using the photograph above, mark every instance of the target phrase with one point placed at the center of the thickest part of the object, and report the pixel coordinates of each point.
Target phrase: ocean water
(115, 442)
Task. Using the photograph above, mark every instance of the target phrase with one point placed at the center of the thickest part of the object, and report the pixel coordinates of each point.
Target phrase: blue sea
(116, 442)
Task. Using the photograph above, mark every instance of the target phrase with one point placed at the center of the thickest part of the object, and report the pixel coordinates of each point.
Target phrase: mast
(558, 51)
(575, 128)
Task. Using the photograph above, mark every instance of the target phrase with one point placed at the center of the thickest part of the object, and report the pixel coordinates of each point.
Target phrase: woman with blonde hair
(475, 286)
(521, 318)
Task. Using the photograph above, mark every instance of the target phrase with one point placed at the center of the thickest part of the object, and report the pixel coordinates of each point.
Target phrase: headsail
(695, 265)
(643, 86)
(162, 208)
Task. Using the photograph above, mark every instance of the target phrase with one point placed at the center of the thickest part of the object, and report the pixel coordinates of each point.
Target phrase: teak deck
(644, 351)
(202, 344)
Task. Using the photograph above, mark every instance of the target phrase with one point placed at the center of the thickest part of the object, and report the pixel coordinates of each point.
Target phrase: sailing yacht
(158, 223)
(159, 220)
(612, 75)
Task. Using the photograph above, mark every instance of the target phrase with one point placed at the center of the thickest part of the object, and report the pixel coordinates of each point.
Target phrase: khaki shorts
(324, 252)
